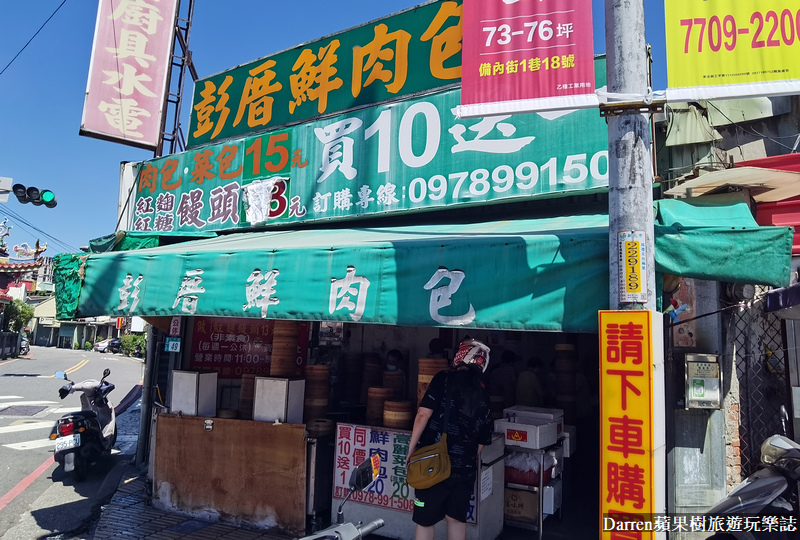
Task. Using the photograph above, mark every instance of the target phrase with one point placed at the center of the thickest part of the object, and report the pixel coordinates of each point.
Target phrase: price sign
(732, 49)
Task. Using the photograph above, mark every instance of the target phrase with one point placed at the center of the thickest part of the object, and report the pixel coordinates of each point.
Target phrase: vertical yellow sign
(626, 419)
(632, 268)
(633, 281)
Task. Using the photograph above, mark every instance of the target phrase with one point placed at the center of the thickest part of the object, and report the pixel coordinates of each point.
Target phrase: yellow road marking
(74, 368)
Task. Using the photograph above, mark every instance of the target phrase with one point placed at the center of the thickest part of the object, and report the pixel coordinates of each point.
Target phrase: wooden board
(246, 471)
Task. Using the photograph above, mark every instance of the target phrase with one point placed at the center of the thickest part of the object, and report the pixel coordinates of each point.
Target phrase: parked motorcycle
(361, 479)
(82, 437)
(24, 346)
(764, 494)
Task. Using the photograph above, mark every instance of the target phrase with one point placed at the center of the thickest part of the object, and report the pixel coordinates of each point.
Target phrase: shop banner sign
(527, 56)
(236, 347)
(732, 49)
(128, 73)
(412, 155)
(413, 51)
(626, 419)
(354, 444)
(554, 276)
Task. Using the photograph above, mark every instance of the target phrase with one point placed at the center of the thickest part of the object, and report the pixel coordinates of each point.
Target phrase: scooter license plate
(65, 443)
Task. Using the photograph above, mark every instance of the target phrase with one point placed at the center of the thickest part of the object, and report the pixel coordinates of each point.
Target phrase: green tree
(17, 315)
(129, 342)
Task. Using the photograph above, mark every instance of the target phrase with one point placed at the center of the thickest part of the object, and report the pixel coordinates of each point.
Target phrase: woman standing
(469, 428)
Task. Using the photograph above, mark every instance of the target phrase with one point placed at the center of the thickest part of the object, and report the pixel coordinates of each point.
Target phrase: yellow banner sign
(626, 420)
(747, 47)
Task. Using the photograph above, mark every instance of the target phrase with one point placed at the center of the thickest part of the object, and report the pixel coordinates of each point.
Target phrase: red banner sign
(235, 347)
(128, 73)
(521, 55)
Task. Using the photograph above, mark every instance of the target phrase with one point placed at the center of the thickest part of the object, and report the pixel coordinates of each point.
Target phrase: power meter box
(703, 381)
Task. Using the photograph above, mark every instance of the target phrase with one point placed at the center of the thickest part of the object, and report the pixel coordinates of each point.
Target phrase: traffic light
(34, 195)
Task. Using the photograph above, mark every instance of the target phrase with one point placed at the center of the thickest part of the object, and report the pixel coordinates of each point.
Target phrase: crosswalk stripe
(26, 427)
(29, 445)
(10, 397)
(13, 403)
(64, 410)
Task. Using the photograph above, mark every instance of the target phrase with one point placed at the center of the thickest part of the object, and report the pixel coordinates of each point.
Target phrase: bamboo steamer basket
(246, 394)
(284, 349)
(428, 368)
(372, 375)
(320, 427)
(315, 403)
(318, 382)
(396, 380)
(398, 414)
(376, 397)
(314, 409)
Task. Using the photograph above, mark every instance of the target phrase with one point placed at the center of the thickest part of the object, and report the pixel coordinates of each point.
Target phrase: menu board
(356, 443)
(236, 347)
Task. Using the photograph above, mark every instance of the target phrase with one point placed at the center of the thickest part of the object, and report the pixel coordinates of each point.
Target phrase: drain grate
(22, 410)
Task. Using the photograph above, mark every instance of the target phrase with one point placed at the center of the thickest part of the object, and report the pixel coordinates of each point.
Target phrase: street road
(31, 483)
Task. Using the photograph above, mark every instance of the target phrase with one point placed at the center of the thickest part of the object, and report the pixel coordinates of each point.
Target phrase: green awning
(543, 274)
(130, 240)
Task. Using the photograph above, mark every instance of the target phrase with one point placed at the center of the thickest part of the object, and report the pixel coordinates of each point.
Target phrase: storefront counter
(236, 471)
(391, 499)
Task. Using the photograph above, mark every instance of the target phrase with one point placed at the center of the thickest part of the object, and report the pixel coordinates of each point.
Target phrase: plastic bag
(526, 461)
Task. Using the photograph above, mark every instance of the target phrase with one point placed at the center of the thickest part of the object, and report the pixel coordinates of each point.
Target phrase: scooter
(763, 494)
(24, 347)
(81, 438)
(361, 479)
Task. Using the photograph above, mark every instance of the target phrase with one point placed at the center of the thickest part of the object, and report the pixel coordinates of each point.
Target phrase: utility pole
(632, 279)
(630, 178)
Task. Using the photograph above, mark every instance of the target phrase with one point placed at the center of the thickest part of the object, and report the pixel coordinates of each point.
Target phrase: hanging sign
(732, 49)
(131, 58)
(175, 327)
(627, 473)
(526, 56)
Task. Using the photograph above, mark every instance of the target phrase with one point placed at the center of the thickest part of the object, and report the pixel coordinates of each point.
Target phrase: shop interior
(374, 375)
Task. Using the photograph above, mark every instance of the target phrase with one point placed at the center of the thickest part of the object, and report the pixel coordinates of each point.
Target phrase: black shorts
(448, 498)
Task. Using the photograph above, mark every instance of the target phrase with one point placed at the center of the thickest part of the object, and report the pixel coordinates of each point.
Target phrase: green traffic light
(47, 196)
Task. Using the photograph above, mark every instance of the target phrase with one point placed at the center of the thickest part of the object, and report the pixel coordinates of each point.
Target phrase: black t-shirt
(464, 432)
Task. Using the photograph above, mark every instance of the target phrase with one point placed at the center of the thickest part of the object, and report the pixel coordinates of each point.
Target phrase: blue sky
(41, 95)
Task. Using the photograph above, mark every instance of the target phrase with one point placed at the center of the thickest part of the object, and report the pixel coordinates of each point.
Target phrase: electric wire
(756, 132)
(32, 37)
(22, 222)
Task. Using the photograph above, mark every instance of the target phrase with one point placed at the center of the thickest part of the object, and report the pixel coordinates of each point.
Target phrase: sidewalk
(129, 513)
